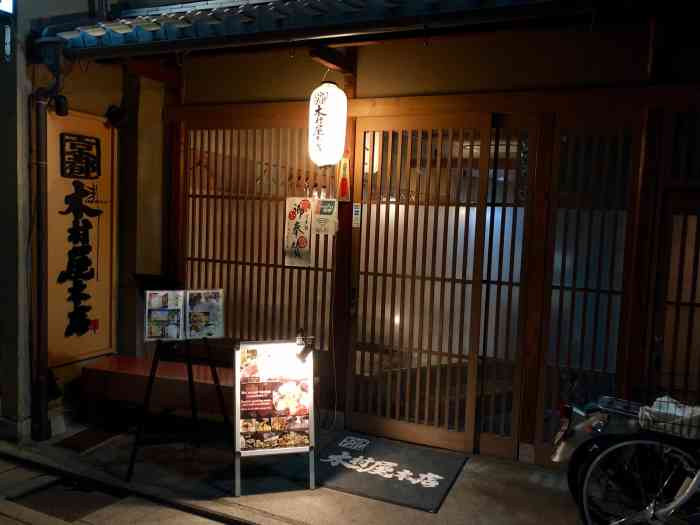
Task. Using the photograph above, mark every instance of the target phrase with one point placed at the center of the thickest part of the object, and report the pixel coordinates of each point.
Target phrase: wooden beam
(620, 101)
(156, 69)
(333, 59)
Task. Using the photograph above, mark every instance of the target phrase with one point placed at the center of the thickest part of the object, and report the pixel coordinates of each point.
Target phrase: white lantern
(328, 113)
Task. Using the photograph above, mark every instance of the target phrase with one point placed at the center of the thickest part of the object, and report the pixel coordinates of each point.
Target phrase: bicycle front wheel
(629, 479)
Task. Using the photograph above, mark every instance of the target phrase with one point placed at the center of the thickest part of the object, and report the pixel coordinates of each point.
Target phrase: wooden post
(343, 279)
(643, 256)
(130, 326)
(536, 266)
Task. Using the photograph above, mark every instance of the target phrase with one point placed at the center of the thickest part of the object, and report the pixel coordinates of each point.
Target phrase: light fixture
(328, 114)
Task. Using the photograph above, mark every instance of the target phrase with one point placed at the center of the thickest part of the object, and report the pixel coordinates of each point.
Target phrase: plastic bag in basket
(671, 417)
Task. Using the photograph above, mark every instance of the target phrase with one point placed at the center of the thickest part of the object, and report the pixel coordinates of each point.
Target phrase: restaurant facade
(518, 205)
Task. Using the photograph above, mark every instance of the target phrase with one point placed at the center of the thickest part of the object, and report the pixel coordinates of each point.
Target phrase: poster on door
(297, 234)
(325, 217)
(274, 399)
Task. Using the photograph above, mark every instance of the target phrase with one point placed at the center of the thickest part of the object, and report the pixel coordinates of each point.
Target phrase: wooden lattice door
(594, 166)
(676, 356)
(422, 187)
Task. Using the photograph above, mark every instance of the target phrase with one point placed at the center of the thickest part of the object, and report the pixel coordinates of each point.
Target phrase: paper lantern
(328, 113)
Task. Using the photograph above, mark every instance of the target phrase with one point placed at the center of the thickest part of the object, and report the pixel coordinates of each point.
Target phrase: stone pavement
(16, 479)
(488, 492)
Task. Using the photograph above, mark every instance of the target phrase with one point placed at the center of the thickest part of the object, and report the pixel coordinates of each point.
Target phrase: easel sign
(177, 315)
(274, 400)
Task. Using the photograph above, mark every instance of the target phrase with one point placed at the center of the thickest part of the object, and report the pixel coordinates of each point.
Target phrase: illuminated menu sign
(6, 6)
(274, 399)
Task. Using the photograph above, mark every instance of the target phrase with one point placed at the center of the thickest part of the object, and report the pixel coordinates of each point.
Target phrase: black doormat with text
(391, 471)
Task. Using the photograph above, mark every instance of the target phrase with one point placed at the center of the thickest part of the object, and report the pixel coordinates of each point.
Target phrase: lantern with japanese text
(328, 112)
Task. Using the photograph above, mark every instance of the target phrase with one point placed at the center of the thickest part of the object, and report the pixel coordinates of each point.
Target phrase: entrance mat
(87, 440)
(391, 471)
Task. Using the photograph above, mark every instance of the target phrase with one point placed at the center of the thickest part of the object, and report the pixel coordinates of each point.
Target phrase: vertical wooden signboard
(81, 238)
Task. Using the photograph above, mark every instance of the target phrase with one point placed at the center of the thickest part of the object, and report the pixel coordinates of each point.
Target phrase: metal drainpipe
(50, 53)
(41, 426)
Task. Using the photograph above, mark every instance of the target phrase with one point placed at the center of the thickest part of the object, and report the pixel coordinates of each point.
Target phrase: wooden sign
(81, 237)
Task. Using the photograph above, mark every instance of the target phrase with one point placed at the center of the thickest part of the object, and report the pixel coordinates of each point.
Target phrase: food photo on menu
(276, 399)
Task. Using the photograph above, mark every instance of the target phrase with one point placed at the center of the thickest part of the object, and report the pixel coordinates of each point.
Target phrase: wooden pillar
(344, 289)
(537, 269)
(130, 319)
(642, 259)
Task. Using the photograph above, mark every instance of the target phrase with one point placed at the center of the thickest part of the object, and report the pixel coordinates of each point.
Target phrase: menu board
(274, 399)
(205, 314)
(173, 315)
(164, 315)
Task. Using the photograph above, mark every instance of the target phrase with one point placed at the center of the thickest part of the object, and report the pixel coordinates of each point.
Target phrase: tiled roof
(198, 22)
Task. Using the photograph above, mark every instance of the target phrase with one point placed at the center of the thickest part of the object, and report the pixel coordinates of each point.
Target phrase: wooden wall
(495, 61)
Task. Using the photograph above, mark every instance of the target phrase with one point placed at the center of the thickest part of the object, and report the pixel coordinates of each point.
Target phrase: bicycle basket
(669, 416)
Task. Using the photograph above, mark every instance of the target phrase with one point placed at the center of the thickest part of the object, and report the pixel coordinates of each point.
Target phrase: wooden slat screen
(237, 183)
(680, 362)
(594, 171)
(502, 276)
(420, 194)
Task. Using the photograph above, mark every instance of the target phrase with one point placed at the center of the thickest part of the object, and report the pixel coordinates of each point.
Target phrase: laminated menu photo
(276, 397)
(175, 315)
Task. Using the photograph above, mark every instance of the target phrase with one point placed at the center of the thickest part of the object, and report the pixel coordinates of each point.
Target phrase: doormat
(87, 440)
(390, 471)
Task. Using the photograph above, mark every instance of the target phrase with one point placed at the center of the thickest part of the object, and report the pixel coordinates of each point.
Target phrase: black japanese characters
(79, 267)
(80, 156)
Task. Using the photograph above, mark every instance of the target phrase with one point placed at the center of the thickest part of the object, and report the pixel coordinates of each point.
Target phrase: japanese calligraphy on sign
(319, 120)
(297, 239)
(79, 269)
(383, 469)
(80, 156)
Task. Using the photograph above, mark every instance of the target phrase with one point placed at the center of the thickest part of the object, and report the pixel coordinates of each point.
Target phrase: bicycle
(646, 470)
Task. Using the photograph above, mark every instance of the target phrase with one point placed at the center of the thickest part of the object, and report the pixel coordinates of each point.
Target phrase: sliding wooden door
(595, 170)
(420, 182)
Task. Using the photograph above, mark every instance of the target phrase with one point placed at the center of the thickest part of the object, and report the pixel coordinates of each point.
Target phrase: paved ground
(15, 479)
(488, 492)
